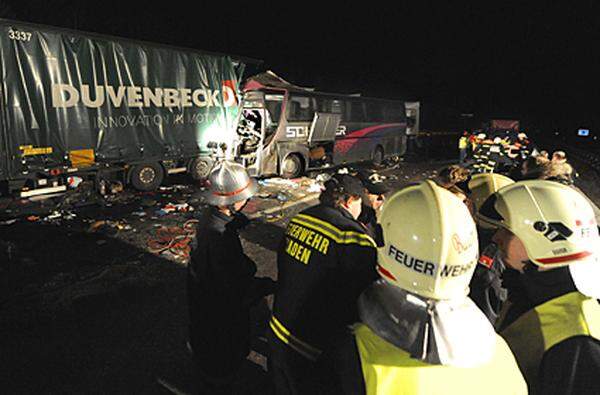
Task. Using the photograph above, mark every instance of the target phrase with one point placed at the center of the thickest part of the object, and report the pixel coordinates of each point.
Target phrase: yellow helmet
(430, 242)
(555, 223)
(484, 184)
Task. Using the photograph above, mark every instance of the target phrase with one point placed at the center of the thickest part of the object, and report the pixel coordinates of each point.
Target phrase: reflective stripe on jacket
(390, 370)
(325, 260)
(548, 324)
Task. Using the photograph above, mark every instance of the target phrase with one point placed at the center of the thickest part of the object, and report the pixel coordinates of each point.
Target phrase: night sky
(537, 62)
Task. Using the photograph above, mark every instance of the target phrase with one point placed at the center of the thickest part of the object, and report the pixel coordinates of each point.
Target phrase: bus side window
(333, 106)
(374, 111)
(337, 107)
(355, 111)
(301, 108)
(323, 104)
(393, 114)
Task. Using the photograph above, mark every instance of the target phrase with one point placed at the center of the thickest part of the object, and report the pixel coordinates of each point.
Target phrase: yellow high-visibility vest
(390, 370)
(548, 324)
(462, 143)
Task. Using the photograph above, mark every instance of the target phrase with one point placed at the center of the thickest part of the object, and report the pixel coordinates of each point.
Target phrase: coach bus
(286, 130)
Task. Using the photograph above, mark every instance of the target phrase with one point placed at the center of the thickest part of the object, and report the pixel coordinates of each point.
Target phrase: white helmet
(555, 223)
(229, 183)
(481, 136)
(430, 242)
(485, 184)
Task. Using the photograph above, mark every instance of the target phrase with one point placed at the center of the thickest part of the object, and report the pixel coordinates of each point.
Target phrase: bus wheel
(378, 156)
(291, 167)
(199, 168)
(147, 176)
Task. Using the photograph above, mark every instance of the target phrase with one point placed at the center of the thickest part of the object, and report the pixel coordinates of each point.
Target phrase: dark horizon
(531, 63)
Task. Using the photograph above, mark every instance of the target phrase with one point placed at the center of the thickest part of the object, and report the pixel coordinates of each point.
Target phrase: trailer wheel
(291, 167)
(378, 156)
(199, 168)
(147, 176)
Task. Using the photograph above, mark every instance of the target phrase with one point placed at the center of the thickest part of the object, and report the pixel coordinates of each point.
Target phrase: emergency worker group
(494, 151)
(470, 282)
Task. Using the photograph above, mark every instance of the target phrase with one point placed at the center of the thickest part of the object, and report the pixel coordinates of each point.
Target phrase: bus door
(274, 103)
(256, 131)
(250, 131)
(321, 138)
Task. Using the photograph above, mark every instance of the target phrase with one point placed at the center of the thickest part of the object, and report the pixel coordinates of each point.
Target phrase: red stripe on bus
(365, 131)
(345, 143)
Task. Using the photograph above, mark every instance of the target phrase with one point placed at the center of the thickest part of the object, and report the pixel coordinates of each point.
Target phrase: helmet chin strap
(231, 207)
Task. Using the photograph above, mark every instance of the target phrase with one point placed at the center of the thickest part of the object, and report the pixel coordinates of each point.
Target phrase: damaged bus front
(286, 130)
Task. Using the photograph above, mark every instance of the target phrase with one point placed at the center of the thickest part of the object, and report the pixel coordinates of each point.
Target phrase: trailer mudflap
(82, 158)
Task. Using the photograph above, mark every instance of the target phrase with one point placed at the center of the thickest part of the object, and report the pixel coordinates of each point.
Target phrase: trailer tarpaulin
(63, 91)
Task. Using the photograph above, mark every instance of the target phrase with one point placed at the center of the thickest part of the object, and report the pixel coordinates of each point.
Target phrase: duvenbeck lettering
(66, 96)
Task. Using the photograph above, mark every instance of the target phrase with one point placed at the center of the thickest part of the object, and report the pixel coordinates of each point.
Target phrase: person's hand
(239, 221)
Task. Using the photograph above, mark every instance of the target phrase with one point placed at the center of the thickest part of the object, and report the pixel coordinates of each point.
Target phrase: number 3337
(19, 35)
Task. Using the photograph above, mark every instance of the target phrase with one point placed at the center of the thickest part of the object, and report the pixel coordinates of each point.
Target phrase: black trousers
(293, 374)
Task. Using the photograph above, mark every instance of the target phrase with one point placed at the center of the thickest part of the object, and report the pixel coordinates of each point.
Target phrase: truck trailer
(95, 106)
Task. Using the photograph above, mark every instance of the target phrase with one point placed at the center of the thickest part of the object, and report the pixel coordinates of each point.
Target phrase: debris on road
(173, 239)
(280, 182)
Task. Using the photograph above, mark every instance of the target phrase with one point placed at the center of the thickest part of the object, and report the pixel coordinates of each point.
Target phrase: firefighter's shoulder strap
(550, 323)
(390, 370)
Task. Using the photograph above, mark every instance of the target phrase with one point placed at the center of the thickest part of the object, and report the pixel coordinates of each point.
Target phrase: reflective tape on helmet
(236, 192)
(386, 273)
(565, 258)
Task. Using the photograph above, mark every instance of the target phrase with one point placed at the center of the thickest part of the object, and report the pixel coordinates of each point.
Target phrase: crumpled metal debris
(175, 207)
(279, 182)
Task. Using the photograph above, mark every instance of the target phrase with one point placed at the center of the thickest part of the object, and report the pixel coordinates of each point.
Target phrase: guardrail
(591, 159)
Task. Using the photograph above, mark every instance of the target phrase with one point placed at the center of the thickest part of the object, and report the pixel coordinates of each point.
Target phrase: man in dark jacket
(325, 261)
(221, 282)
(372, 200)
(486, 285)
(548, 238)
(420, 333)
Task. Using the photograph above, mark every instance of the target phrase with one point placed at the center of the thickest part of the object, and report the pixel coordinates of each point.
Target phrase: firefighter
(420, 333)
(454, 179)
(325, 261)
(526, 147)
(463, 143)
(372, 200)
(549, 238)
(482, 154)
(221, 282)
(496, 156)
(486, 288)
(541, 168)
(473, 141)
